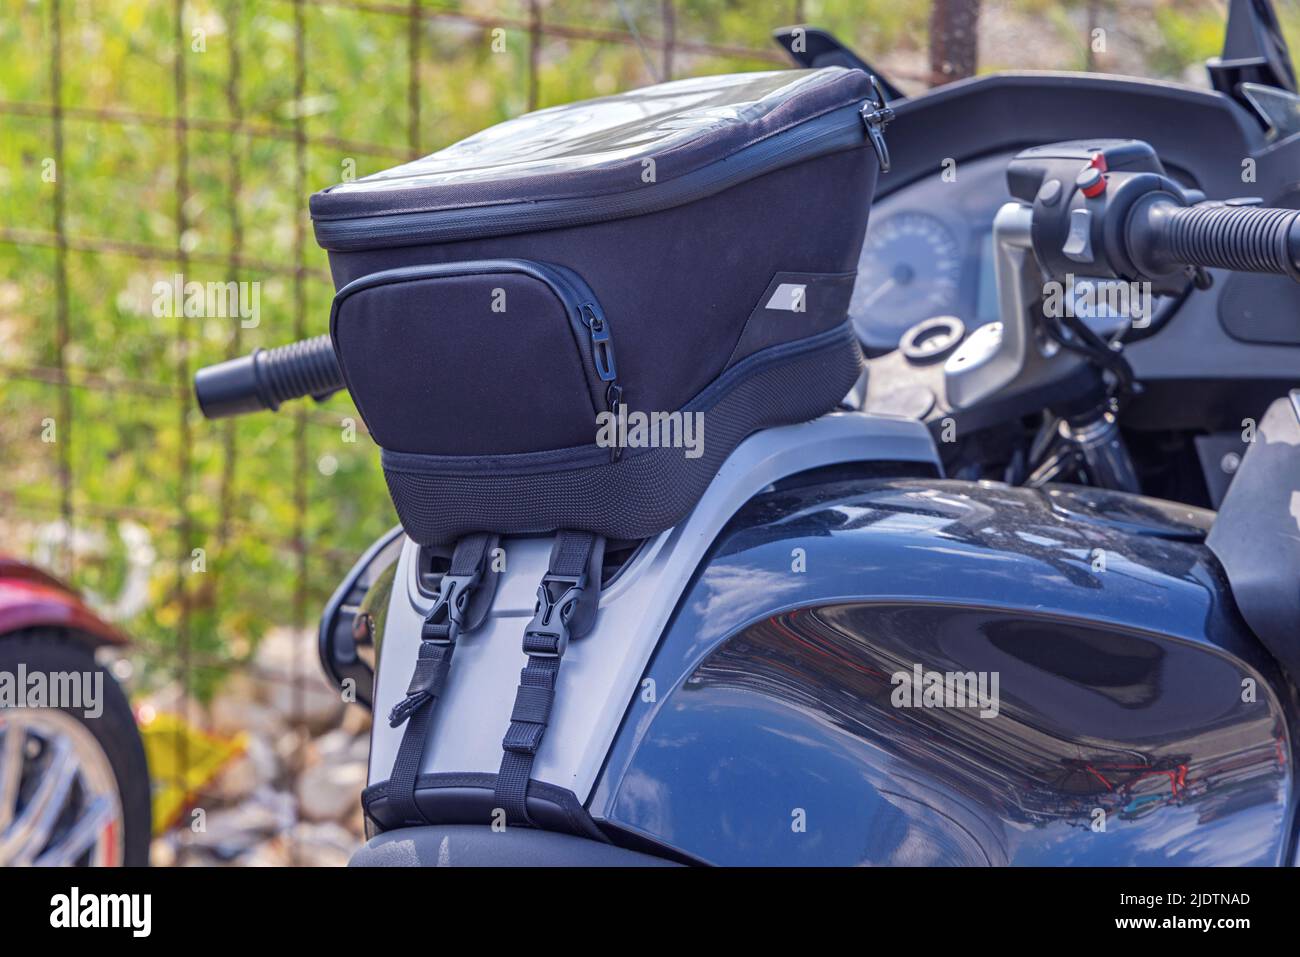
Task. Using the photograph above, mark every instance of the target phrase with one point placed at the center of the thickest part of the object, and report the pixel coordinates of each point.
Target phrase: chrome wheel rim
(59, 803)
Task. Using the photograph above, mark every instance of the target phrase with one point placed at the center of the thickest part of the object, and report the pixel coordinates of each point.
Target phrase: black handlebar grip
(1216, 235)
(266, 377)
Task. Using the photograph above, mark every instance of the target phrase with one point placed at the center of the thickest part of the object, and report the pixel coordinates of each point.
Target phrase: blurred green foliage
(124, 442)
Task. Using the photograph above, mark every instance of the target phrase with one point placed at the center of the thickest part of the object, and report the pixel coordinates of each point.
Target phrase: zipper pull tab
(602, 349)
(875, 117)
(613, 396)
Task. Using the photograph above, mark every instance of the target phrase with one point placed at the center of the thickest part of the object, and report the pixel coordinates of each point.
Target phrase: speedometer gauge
(910, 270)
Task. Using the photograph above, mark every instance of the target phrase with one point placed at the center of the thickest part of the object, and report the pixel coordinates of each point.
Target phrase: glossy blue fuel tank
(1134, 718)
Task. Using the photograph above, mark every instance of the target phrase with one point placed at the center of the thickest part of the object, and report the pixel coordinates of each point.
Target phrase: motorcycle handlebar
(267, 377)
(1162, 235)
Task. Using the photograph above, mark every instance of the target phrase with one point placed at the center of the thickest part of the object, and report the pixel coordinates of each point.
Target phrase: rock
(359, 750)
(237, 780)
(261, 719)
(322, 845)
(338, 746)
(236, 708)
(291, 682)
(225, 712)
(265, 760)
(200, 857)
(162, 852)
(295, 750)
(328, 792)
(356, 720)
(334, 747)
(355, 823)
(169, 699)
(230, 832)
(281, 804)
(273, 853)
(259, 766)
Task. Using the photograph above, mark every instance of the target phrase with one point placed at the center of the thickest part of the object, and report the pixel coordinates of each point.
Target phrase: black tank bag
(567, 322)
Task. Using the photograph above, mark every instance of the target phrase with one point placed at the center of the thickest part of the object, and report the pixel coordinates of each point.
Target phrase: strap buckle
(558, 598)
(446, 619)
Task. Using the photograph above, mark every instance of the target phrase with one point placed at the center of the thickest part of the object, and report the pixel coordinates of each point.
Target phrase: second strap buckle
(558, 598)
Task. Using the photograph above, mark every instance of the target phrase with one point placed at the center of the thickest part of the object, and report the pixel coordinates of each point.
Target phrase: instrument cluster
(929, 252)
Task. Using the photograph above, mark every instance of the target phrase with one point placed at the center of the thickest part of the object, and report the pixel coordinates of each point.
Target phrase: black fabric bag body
(509, 309)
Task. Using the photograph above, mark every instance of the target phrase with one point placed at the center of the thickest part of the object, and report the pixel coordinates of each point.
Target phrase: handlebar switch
(1078, 242)
(1081, 192)
(1126, 219)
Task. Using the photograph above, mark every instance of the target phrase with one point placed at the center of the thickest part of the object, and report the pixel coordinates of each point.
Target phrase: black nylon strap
(401, 783)
(438, 642)
(470, 555)
(571, 553)
(564, 589)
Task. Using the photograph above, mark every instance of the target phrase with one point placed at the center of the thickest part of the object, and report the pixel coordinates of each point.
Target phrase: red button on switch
(1091, 182)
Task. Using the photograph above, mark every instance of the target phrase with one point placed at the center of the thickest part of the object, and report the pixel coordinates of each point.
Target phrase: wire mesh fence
(174, 178)
(155, 161)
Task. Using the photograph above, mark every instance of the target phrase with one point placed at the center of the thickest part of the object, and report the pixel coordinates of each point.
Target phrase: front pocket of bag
(478, 358)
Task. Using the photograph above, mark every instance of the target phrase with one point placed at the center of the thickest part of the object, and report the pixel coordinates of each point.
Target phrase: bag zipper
(600, 347)
(602, 358)
(840, 129)
(527, 463)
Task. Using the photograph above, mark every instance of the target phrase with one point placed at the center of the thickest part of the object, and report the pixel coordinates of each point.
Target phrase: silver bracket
(995, 354)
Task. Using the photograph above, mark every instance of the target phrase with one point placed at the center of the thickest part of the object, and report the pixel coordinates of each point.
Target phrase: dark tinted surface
(1122, 733)
(598, 132)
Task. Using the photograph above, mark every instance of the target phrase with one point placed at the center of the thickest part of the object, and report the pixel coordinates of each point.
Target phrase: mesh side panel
(646, 490)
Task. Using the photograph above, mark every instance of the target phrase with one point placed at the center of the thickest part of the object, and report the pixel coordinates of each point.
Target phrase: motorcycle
(983, 614)
(74, 781)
